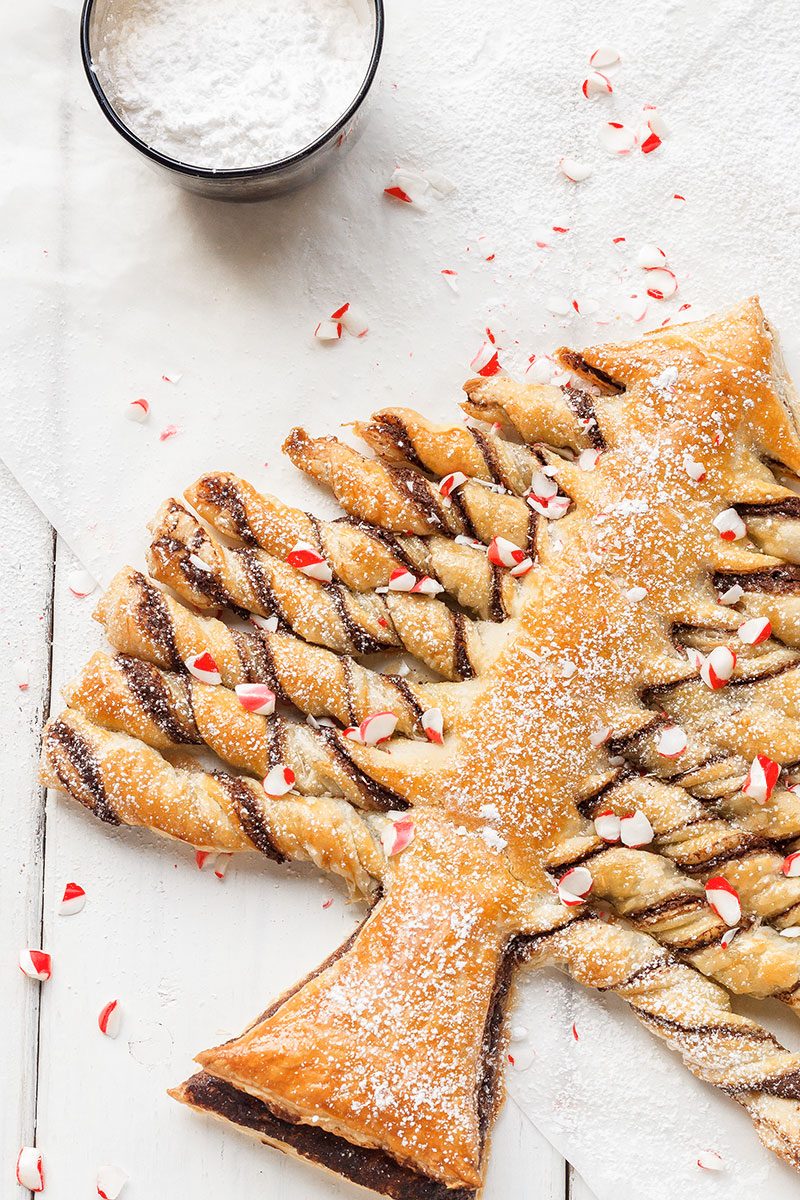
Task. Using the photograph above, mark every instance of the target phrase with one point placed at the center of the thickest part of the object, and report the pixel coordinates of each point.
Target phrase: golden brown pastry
(598, 772)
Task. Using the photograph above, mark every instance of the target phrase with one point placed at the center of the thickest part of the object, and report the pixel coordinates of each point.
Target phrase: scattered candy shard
(72, 901)
(30, 1169)
(110, 1019)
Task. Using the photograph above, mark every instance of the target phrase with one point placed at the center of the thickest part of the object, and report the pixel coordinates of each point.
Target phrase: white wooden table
(189, 958)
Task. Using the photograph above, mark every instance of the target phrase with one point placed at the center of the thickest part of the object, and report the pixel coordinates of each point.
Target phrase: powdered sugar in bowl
(234, 99)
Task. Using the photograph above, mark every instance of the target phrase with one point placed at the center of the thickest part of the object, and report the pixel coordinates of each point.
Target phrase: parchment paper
(112, 279)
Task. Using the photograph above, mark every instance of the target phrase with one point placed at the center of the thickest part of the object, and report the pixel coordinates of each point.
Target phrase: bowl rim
(279, 165)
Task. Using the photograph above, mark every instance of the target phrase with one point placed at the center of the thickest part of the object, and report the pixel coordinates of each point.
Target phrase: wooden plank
(26, 563)
(191, 960)
(578, 1190)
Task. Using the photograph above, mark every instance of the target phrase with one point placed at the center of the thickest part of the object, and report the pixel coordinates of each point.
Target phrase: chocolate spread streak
(204, 581)
(385, 539)
(152, 695)
(276, 741)
(577, 363)
(414, 487)
(262, 588)
(396, 431)
(582, 405)
(372, 1169)
(251, 816)
(258, 663)
(361, 641)
(497, 610)
(381, 797)
(776, 580)
(225, 495)
(461, 660)
(153, 615)
(490, 459)
(72, 756)
(350, 693)
(788, 506)
(415, 709)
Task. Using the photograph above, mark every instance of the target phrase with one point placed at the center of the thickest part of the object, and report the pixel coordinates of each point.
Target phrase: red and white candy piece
(205, 859)
(21, 672)
(503, 553)
(328, 331)
(488, 253)
(574, 886)
(36, 964)
(617, 138)
(451, 483)
(110, 1182)
(398, 834)
(30, 1169)
(203, 667)
(661, 283)
(376, 728)
(432, 723)
(256, 698)
(723, 898)
(138, 410)
(587, 459)
(732, 595)
(717, 667)
(72, 901)
(544, 499)
(574, 170)
(759, 783)
(709, 1160)
(791, 865)
(169, 431)
(635, 830)
(81, 583)
(110, 1019)
(308, 561)
(270, 624)
(352, 319)
(730, 525)
(604, 56)
(635, 306)
(756, 630)
(651, 256)
(728, 937)
(450, 276)
(671, 742)
(223, 861)
(278, 781)
(486, 362)
(596, 84)
(407, 186)
(694, 657)
(694, 469)
(607, 826)
(599, 736)
(402, 580)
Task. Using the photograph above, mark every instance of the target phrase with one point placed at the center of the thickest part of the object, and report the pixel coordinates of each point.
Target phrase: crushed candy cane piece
(651, 256)
(730, 525)
(110, 1182)
(451, 483)
(397, 835)
(635, 594)
(377, 727)
(671, 742)
(256, 698)
(80, 583)
(635, 830)
(695, 658)
(574, 170)
(279, 781)
(110, 1019)
(587, 459)
(694, 469)
(604, 56)
(328, 331)
(503, 553)
(709, 1160)
(308, 561)
(617, 138)
(270, 624)
(574, 886)
(30, 1169)
(205, 859)
(72, 901)
(596, 84)
(650, 143)
(791, 865)
(172, 376)
(607, 826)
(138, 410)
(732, 595)
(723, 898)
(486, 361)
(21, 673)
(401, 580)
(352, 319)
(661, 283)
(754, 631)
(203, 667)
(791, 931)
(760, 780)
(728, 937)
(200, 563)
(599, 736)
(169, 431)
(635, 306)
(450, 276)
(36, 964)
(717, 667)
(486, 247)
(432, 723)
(221, 865)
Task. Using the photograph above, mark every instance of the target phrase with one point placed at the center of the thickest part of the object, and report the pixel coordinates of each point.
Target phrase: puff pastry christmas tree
(592, 765)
